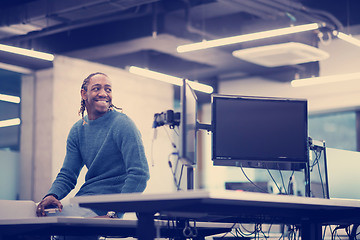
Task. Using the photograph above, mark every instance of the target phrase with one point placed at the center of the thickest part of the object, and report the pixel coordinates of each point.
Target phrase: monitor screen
(188, 121)
(258, 129)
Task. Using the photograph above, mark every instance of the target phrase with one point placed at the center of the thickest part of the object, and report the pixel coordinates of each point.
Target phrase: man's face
(98, 96)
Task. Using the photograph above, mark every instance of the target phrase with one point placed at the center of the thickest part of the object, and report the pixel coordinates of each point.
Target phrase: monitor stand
(190, 178)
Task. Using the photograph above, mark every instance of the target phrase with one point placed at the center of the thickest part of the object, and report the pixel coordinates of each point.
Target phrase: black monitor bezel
(270, 163)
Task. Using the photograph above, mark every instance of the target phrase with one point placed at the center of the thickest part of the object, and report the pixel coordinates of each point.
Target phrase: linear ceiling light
(9, 98)
(347, 38)
(326, 79)
(10, 122)
(169, 79)
(27, 52)
(14, 68)
(247, 37)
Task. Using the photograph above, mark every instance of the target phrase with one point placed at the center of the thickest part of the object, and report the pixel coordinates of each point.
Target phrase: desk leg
(311, 231)
(145, 226)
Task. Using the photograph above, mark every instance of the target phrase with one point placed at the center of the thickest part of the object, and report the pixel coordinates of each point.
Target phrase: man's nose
(102, 92)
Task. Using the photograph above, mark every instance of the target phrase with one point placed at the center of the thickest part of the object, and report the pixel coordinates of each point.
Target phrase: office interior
(109, 36)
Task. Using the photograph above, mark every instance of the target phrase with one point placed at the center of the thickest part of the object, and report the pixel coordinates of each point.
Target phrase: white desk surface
(69, 220)
(226, 195)
(230, 206)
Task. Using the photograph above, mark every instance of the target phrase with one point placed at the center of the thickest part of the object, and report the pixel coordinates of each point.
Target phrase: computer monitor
(259, 132)
(188, 121)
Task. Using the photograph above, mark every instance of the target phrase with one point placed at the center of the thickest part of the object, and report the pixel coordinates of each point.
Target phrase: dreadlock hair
(84, 87)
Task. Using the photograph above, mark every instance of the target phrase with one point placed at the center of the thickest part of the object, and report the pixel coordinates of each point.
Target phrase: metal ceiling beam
(48, 15)
(73, 25)
(42, 9)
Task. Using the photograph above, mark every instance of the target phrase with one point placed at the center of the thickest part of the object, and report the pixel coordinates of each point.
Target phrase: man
(108, 143)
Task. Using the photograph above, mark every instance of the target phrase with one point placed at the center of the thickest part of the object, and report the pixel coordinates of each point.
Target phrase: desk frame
(230, 206)
(78, 226)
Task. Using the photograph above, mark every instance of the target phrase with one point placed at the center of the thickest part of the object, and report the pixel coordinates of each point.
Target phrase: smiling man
(108, 143)
(97, 95)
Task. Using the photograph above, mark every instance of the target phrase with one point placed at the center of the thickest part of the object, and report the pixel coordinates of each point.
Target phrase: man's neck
(95, 116)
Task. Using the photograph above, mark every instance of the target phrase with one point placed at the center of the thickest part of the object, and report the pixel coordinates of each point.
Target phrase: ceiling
(145, 33)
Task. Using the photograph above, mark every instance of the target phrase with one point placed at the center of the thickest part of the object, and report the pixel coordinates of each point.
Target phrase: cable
(324, 232)
(316, 162)
(173, 171)
(265, 191)
(317, 158)
(177, 184)
(268, 232)
(282, 180)
(242, 233)
(171, 141)
(175, 131)
(321, 181)
(223, 236)
(335, 231)
(290, 179)
(181, 173)
(259, 230)
(353, 234)
(274, 180)
(281, 236)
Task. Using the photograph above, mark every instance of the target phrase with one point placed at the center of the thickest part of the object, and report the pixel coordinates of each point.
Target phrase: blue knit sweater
(112, 150)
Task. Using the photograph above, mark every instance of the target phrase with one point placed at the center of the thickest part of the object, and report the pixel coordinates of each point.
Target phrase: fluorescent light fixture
(10, 122)
(9, 98)
(247, 37)
(347, 38)
(27, 52)
(169, 79)
(14, 68)
(326, 79)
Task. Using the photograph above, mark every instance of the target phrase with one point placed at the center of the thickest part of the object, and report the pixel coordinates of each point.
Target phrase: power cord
(277, 186)
(261, 189)
(282, 180)
(173, 171)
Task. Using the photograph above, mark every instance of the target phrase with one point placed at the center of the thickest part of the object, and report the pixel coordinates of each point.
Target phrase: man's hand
(45, 203)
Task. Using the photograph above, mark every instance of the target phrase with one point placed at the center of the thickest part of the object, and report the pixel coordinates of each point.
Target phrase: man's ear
(83, 94)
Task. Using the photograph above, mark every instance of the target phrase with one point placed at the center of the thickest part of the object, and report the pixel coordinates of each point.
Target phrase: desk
(230, 206)
(47, 226)
(78, 226)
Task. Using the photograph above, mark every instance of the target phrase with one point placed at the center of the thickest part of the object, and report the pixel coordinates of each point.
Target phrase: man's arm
(132, 149)
(67, 177)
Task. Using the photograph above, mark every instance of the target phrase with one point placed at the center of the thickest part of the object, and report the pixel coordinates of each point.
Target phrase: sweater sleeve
(67, 177)
(132, 149)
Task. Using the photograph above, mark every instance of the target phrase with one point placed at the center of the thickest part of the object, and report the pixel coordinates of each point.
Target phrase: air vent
(281, 54)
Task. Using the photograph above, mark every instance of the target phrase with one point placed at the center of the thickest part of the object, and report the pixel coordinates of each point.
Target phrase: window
(338, 130)
(10, 84)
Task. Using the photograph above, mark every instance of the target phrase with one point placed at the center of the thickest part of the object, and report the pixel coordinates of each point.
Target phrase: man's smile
(101, 100)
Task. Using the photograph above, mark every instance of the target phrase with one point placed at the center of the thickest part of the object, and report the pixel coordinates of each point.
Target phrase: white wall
(36, 134)
(27, 137)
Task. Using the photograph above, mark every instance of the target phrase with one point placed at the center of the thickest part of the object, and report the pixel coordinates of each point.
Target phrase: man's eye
(95, 89)
(108, 89)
